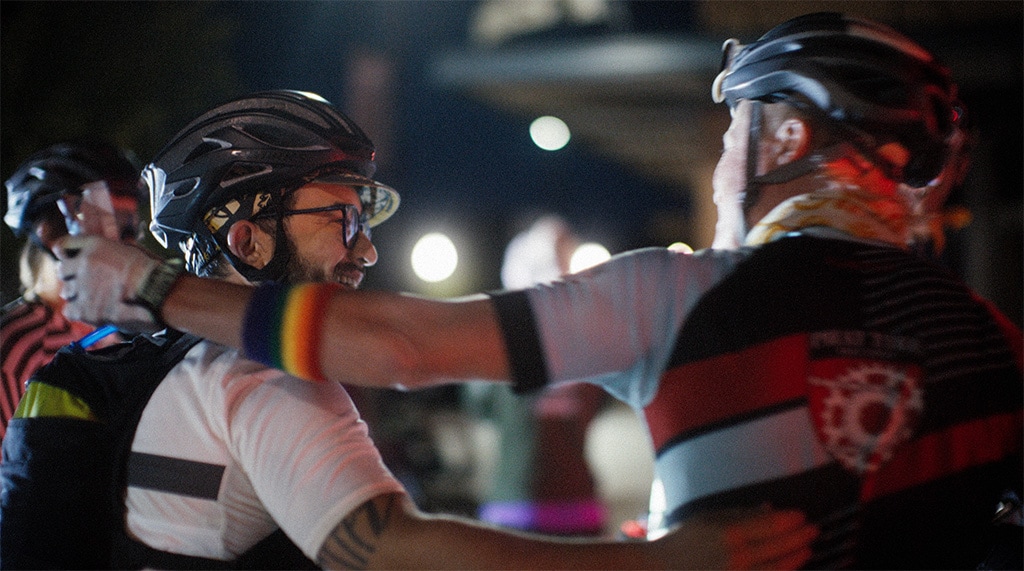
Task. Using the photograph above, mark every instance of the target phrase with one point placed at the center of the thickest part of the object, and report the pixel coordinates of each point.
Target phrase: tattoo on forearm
(354, 540)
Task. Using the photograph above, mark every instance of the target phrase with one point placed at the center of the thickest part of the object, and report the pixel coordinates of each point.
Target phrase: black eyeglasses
(352, 221)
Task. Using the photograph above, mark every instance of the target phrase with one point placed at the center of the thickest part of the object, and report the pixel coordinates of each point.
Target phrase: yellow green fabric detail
(42, 400)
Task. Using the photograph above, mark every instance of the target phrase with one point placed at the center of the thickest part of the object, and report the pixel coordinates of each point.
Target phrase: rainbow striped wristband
(283, 326)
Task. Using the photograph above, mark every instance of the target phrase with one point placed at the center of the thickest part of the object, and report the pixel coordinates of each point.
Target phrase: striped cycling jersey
(30, 335)
(846, 378)
(856, 382)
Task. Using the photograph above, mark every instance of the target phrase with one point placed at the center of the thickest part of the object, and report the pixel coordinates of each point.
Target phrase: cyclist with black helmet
(32, 327)
(274, 188)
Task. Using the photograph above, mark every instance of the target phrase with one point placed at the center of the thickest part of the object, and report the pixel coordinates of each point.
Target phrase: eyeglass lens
(352, 222)
(355, 222)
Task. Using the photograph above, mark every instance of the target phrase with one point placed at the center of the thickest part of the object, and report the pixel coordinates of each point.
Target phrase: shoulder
(679, 260)
(208, 362)
(670, 270)
(222, 372)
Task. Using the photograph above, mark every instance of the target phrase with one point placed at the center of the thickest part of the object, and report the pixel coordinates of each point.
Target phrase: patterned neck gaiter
(840, 206)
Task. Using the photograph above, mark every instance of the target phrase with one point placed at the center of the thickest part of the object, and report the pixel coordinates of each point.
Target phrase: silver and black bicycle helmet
(251, 152)
(865, 77)
(47, 175)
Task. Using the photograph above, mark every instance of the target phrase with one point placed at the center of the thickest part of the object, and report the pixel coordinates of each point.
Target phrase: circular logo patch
(864, 410)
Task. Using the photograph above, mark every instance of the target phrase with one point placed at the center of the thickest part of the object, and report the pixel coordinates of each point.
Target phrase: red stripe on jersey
(733, 384)
(946, 452)
(30, 336)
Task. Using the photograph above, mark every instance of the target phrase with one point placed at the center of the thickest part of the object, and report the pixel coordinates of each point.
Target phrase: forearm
(317, 331)
(389, 533)
(449, 543)
(381, 339)
(371, 339)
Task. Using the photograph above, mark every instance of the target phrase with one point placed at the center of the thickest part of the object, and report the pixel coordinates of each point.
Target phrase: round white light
(434, 257)
(549, 133)
(681, 247)
(588, 255)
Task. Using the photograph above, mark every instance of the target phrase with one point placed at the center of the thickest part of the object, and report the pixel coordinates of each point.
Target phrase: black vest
(65, 478)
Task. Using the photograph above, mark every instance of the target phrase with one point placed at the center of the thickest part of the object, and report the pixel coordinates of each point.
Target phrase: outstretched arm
(366, 338)
(388, 532)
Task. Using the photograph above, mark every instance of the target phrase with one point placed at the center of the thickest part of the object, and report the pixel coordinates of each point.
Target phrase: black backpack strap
(275, 551)
(58, 454)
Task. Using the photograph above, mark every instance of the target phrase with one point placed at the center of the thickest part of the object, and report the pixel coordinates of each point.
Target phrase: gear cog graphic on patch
(865, 412)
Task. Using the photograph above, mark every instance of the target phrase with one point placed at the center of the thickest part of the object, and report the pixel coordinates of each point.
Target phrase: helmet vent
(280, 138)
(183, 189)
(200, 150)
(241, 171)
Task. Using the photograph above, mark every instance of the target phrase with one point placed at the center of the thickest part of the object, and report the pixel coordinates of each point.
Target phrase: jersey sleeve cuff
(522, 341)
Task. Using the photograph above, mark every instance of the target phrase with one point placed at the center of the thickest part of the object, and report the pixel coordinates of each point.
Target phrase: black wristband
(158, 284)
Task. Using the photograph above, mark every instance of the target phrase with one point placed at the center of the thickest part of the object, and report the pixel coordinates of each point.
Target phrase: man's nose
(364, 250)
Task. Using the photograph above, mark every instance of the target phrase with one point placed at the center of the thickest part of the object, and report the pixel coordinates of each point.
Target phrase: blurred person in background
(32, 327)
(542, 481)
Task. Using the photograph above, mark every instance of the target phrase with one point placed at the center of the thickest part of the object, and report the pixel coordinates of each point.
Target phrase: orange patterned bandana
(853, 210)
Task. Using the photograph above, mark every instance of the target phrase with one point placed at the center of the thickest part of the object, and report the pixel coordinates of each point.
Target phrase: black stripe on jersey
(786, 287)
(958, 334)
(941, 524)
(175, 475)
(953, 401)
(19, 323)
(905, 530)
(21, 320)
(828, 496)
(27, 356)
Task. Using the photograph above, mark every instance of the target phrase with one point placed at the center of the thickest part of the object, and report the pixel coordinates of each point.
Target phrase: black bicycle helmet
(47, 175)
(866, 77)
(250, 152)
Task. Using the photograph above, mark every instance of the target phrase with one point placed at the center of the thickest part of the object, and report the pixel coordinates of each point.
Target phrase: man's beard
(301, 270)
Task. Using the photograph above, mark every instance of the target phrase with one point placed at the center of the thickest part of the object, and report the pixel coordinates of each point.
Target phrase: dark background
(135, 72)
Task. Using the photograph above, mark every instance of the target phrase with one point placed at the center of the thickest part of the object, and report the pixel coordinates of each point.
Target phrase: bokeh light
(588, 255)
(549, 133)
(434, 257)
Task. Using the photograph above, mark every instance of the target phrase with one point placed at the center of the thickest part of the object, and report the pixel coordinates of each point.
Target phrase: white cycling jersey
(247, 449)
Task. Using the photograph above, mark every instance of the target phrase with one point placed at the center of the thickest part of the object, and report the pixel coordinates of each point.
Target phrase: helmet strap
(277, 268)
(856, 144)
(752, 191)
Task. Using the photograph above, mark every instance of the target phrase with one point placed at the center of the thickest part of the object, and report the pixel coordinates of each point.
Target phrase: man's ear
(250, 244)
(792, 139)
